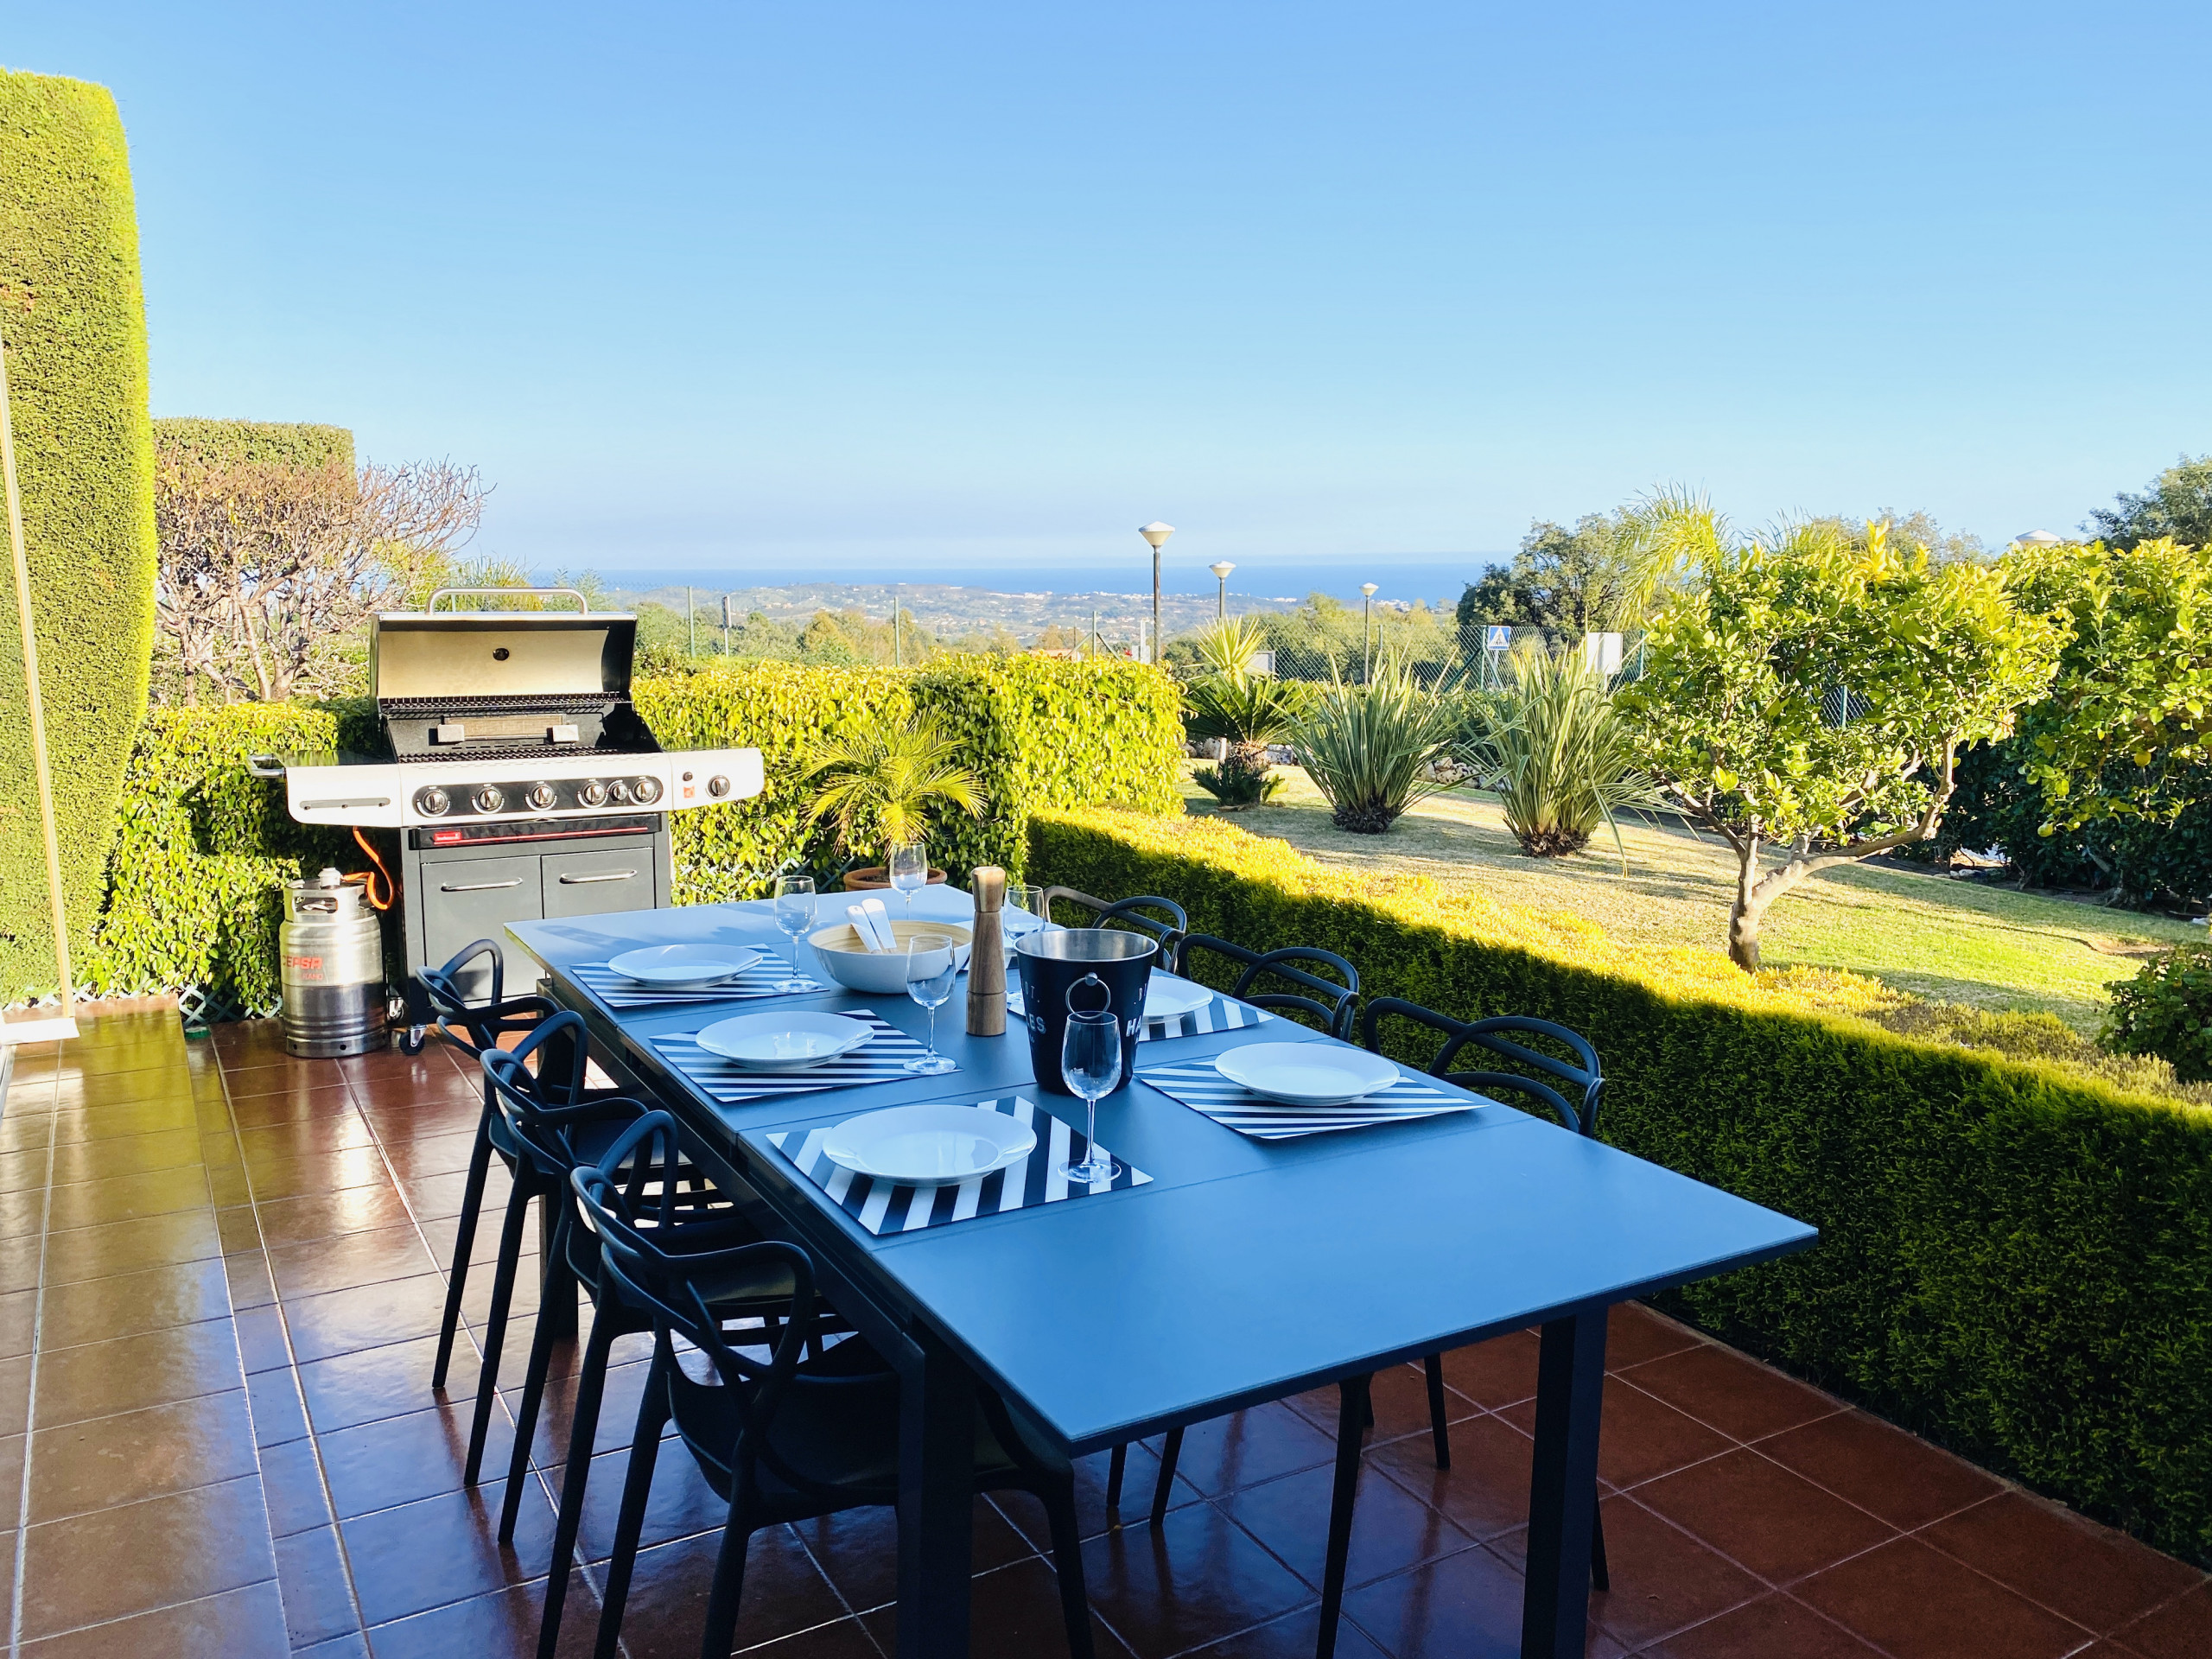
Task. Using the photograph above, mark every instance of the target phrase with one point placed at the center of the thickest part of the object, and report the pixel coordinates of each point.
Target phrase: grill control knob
(488, 797)
(542, 797)
(646, 791)
(718, 786)
(618, 791)
(432, 802)
(593, 793)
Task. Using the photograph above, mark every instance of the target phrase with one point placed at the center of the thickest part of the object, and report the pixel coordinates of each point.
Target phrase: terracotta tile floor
(220, 1273)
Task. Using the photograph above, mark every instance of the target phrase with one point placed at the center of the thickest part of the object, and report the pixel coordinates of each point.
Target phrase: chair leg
(1116, 1466)
(1168, 1453)
(495, 1329)
(558, 1281)
(1351, 1411)
(1437, 1430)
(1599, 1578)
(637, 1486)
(464, 1244)
(720, 1634)
(1067, 1564)
(575, 1477)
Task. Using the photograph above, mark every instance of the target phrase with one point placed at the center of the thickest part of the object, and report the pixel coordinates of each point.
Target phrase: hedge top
(286, 443)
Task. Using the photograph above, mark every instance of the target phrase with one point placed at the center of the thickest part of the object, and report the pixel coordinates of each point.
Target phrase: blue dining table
(1243, 1271)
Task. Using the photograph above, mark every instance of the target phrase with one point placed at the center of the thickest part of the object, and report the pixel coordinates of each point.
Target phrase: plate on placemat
(683, 967)
(928, 1146)
(1167, 997)
(784, 1041)
(1306, 1074)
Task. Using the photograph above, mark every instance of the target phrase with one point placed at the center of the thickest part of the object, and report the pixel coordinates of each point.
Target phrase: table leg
(937, 1478)
(1563, 1486)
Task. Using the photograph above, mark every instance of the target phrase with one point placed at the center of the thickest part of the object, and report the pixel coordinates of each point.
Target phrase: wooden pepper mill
(987, 955)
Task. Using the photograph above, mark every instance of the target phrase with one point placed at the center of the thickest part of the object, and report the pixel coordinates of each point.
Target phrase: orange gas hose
(372, 877)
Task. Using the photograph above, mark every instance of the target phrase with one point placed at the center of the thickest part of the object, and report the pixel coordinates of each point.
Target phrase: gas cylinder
(333, 954)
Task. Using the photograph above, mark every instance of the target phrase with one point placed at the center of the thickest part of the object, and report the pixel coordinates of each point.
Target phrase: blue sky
(805, 289)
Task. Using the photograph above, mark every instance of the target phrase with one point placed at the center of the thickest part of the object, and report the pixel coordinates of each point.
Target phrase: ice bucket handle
(1090, 979)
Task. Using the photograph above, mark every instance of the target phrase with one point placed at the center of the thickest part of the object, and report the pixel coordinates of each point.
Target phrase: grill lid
(519, 659)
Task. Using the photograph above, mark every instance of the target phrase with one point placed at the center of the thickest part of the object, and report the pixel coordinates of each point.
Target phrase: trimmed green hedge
(2014, 1263)
(73, 318)
(290, 443)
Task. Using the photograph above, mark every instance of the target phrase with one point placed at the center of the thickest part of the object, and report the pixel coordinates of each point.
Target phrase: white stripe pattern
(765, 978)
(881, 1059)
(1221, 1015)
(881, 1207)
(1199, 1085)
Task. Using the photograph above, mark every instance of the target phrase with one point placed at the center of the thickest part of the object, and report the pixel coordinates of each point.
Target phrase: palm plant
(1248, 710)
(1561, 758)
(1373, 749)
(879, 783)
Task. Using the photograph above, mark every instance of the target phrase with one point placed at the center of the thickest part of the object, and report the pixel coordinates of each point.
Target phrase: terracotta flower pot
(874, 878)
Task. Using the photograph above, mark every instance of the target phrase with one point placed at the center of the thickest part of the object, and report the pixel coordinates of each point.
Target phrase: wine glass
(795, 915)
(1090, 1060)
(1029, 901)
(932, 969)
(910, 871)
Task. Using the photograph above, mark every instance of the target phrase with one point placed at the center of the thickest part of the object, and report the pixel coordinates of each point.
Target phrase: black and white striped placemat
(765, 978)
(1202, 1089)
(1223, 1013)
(882, 1059)
(883, 1207)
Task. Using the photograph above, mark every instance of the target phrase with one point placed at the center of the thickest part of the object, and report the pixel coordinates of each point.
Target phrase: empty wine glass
(910, 871)
(795, 915)
(932, 969)
(1090, 1060)
(1025, 914)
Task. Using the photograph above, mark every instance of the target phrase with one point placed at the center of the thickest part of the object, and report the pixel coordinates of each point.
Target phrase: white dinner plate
(683, 967)
(929, 1146)
(1306, 1074)
(780, 1042)
(1166, 996)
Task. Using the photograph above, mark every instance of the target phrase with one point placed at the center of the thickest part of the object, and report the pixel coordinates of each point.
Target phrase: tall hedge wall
(2013, 1263)
(73, 319)
(290, 443)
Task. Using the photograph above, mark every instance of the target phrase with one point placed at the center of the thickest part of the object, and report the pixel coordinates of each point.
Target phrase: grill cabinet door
(607, 879)
(470, 898)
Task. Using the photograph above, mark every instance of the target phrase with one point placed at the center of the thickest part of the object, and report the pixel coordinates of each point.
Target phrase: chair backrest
(478, 1026)
(539, 1106)
(1168, 925)
(1327, 1001)
(1585, 1081)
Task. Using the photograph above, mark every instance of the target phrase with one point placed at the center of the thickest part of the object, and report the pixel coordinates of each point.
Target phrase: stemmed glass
(910, 871)
(794, 915)
(1030, 901)
(1090, 1060)
(932, 969)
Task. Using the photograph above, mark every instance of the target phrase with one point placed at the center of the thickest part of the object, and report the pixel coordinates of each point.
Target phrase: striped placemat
(884, 1207)
(1202, 1089)
(1223, 1013)
(883, 1059)
(765, 978)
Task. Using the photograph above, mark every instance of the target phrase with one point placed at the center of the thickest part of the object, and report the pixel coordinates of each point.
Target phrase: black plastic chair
(786, 1438)
(1168, 925)
(1312, 994)
(1584, 1083)
(477, 1027)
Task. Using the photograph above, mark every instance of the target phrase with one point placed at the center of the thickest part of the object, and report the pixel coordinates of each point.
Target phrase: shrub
(299, 445)
(2013, 1261)
(1247, 710)
(1372, 748)
(1561, 757)
(73, 318)
(2167, 1010)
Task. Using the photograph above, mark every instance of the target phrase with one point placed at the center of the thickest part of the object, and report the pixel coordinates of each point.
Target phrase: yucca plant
(1250, 711)
(1372, 750)
(1559, 757)
(878, 784)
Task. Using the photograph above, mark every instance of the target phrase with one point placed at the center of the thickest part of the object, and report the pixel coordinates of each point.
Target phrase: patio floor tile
(115, 1562)
(1193, 1580)
(1773, 1627)
(246, 1623)
(2180, 1630)
(2098, 1578)
(1642, 1438)
(1731, 1392)
(1774, 1523)
(140, 1454)
(1906, 1482)
(1916, 1603)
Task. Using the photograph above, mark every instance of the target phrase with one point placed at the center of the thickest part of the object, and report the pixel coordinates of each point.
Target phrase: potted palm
(1247, 710)
(877, 784)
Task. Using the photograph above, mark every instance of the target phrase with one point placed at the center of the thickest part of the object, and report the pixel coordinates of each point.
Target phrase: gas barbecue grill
(520, 779)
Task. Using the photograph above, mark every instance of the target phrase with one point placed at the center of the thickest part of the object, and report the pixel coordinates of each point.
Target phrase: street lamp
(1221, 575)
(1366, 611)
(1155, 532)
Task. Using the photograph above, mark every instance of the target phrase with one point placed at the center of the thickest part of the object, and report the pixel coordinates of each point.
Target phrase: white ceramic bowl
(878, 973)
(1306, 1074)
(683, 967)
(784, 1041)
(929, 1146)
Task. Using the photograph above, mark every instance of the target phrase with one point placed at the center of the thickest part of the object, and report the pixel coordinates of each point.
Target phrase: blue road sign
(1498, 638)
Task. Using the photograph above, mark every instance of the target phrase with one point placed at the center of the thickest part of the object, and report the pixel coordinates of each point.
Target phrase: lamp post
(1366, 612)
(1155, 532)
(1221, 575)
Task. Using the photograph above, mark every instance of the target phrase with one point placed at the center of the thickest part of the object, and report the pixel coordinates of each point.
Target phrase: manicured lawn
(1956, 941)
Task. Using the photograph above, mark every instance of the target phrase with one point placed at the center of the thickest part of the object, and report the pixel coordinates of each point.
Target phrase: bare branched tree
(265, 568)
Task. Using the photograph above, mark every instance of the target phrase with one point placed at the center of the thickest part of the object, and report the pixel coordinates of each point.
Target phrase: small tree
(1809, 696)
(1247, 710)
